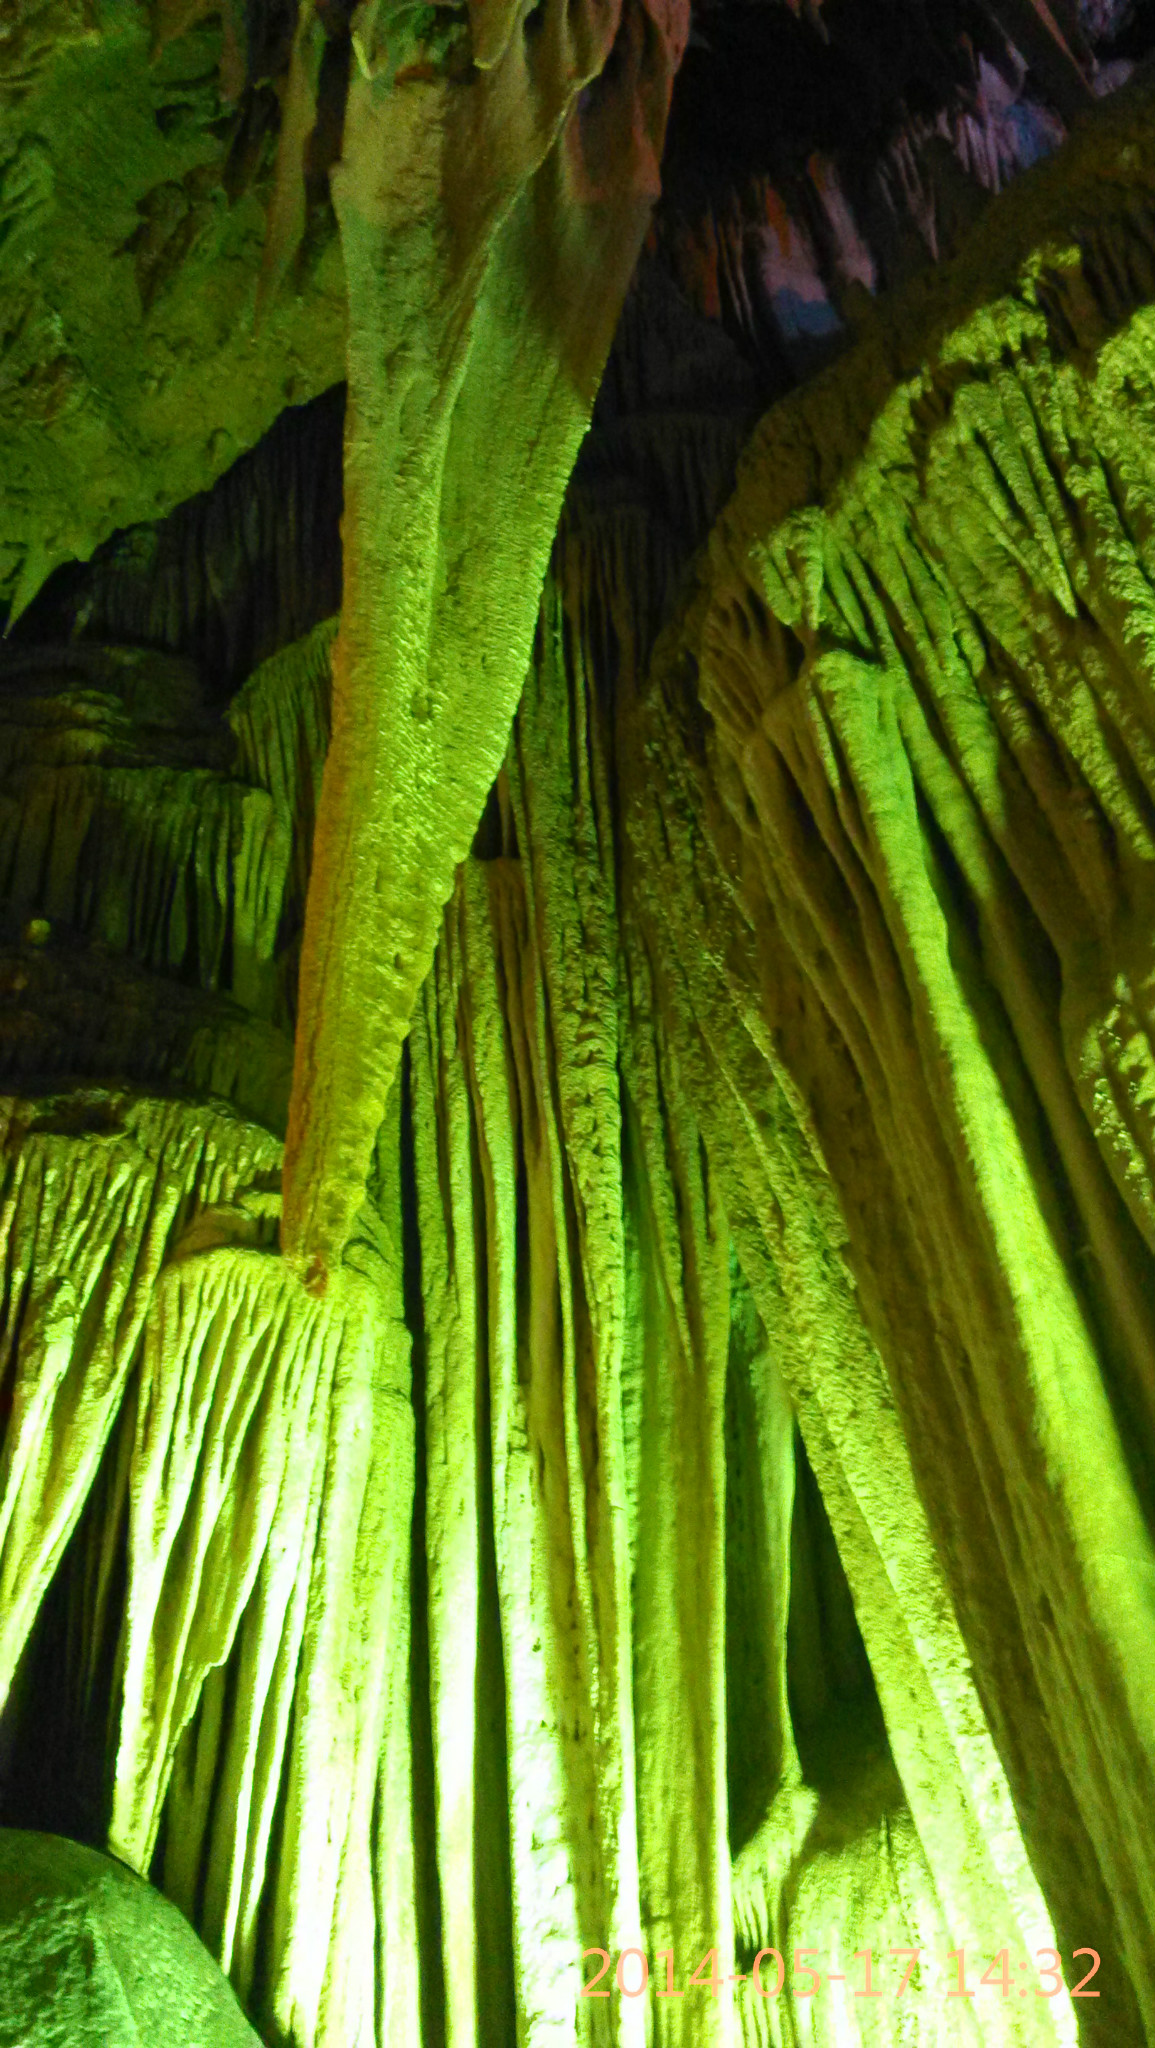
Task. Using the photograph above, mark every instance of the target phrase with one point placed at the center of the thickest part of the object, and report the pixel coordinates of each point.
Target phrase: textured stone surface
(461, 194)
(132, 228)
(92, 1957)
(914, 836)
(708, 1507)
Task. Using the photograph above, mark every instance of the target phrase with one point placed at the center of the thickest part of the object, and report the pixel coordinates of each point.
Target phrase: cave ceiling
(816, 156)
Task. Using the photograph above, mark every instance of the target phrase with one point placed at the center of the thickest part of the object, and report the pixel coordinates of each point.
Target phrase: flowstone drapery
(584, 1696)
(922, 802)
(707, 1507)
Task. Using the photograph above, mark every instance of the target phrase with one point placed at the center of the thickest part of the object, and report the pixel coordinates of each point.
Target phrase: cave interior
(577, 1023)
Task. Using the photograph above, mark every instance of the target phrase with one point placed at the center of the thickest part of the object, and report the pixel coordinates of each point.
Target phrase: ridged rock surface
(709, 1509)
(903, 740)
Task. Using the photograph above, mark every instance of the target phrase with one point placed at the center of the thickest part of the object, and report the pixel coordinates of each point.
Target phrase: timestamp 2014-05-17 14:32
(767, 1975)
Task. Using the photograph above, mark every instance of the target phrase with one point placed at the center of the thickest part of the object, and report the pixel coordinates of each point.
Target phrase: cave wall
(907, 718)
(133, 198)
(543, 1431)
(602, 1677)
(783, 1065)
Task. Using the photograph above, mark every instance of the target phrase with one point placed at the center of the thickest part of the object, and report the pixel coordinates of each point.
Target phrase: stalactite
(923, 790)
(459, 193)
(272, 1469)
(231, 576)
(120, 821)
(280, 719)
(72, 1012)
(781, 1067)
(98, 1189)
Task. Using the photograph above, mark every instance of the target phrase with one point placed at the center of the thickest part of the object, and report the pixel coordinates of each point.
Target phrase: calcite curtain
(710, 1510)
(921, 644)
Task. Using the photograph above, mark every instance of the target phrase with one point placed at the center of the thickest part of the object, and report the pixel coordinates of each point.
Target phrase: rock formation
(92, 1954)
(489, 225)
(669, 1482)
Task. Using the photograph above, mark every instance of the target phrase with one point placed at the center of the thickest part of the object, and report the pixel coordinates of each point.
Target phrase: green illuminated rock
(708, 1504)
(907, 869)
(92, 1957)
(132, 226)
(463, 193)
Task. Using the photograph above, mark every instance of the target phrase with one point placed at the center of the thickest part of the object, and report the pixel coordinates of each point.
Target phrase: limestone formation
(132, 198)
(577, 1165)
(920, 644)
(91, 1955)
(459, 198)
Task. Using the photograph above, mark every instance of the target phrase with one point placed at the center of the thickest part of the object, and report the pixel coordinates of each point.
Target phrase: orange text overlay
(889, 1973)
